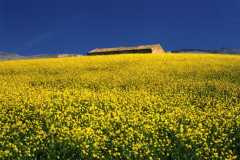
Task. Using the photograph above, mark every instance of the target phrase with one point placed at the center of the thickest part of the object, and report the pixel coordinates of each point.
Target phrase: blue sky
(76, 26)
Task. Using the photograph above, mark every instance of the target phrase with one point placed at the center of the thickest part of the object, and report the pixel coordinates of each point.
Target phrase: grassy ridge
(122, 106)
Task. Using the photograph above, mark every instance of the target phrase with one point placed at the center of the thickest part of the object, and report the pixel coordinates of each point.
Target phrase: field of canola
(121, 107)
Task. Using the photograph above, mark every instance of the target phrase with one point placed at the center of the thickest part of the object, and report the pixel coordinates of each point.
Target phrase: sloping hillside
(121, 107)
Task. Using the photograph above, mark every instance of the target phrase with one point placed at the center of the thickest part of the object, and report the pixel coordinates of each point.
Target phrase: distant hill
(217, 51)
(230, 50)
(9, 55)
(54, 55)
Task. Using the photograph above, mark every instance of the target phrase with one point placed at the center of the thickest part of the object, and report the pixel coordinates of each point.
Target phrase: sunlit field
(121, 107)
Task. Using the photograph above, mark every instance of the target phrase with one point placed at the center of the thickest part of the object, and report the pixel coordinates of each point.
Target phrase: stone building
(148, 49)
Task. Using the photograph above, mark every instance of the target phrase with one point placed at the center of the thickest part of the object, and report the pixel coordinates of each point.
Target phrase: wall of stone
(151, 49)
(122, 51)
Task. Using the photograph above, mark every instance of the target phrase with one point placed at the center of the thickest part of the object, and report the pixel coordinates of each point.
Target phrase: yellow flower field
(121, 107)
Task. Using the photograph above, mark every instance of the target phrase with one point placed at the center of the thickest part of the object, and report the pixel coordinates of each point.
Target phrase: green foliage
(121, 107)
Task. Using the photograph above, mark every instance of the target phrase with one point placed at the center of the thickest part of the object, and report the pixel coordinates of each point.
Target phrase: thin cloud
(37, 40)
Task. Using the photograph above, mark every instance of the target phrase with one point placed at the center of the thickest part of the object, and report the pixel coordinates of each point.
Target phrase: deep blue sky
(56, 26)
